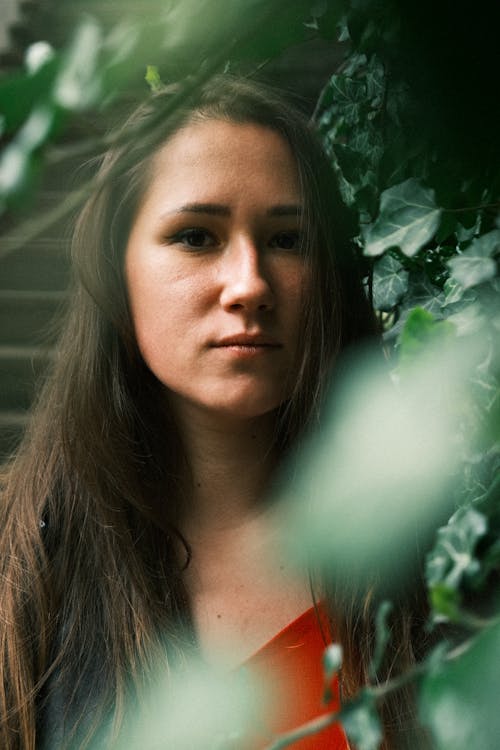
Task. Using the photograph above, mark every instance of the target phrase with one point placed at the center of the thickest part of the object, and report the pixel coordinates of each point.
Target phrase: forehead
(226, 157)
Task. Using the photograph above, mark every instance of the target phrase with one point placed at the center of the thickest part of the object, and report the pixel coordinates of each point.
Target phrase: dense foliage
(410, 122)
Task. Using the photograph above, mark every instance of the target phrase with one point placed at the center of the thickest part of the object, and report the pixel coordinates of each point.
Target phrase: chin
(245, 411)
(231, 404)
(248, 405)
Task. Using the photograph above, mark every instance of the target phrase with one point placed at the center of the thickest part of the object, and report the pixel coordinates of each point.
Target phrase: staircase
(33, 280)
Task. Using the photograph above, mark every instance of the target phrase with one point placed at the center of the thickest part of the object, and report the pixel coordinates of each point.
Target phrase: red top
(290, 667)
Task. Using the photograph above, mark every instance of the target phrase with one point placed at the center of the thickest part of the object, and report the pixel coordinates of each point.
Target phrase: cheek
(298, 290)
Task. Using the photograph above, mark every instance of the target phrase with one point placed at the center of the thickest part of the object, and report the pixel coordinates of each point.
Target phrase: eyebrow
(218, 209)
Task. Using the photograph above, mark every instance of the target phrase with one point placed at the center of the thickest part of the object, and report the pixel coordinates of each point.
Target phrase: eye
(194, 238)
(286, 241)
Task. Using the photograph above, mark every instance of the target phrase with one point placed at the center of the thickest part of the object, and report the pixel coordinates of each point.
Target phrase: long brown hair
(90, 583)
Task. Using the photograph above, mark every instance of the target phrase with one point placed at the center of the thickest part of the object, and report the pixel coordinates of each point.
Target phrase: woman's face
(215, 278)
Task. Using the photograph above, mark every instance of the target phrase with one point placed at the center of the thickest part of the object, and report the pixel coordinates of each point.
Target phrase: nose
(245, 285)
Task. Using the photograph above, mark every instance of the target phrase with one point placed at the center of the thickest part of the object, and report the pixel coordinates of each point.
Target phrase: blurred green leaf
(21, 92)
(459, 700)
(332, 660)
(420, 330)
(445, 603)
(198, 707)
(382, 637)
(37, 55)
(469, 319)
(454, 292)
(152, 78)
(476, 265)
(16, 160)
(379, 472)
(78, 84)
(362, 724)
(408, 219)
(453, 556)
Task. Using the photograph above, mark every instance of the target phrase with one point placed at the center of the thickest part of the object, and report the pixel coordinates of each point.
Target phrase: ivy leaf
(420, 330)
(453, 558)
(423, 293)
(361, 722)
(475, 265)
(390, 282)
(465, 234)
(459, 699)
(445, 603)
(469, 319)
(486, 386)
(408, 219)
(454, 294)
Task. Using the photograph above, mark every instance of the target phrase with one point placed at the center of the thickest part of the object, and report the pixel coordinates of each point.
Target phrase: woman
(213, 291)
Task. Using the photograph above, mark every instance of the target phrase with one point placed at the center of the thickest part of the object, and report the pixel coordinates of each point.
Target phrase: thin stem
(305, 730)
(471, 208)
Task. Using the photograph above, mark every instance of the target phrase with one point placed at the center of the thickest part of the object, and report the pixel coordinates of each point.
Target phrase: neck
(230, 464)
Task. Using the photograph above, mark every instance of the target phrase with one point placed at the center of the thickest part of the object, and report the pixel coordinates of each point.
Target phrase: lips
(248, 340)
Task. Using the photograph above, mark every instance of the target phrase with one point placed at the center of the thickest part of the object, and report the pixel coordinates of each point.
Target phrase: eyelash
(184, 235)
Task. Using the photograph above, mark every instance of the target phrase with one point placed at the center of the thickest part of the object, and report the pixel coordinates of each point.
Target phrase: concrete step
(21, 368)
(41, 265)
(27, 317)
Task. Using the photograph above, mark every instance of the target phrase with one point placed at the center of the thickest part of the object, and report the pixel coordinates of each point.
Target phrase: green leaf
(453, 292)
(476, 265)
(458, 701)
(382, 637)
(357, 523)
(194, 707)
(447, 226)
(37, 55)
(152, 78)
(332, 660)
(361, 722)
(408, 219)
(20, 93)
(465, 234)
(420, 330)
(453, 556)
(390, 282)
(16, 160)
(445, 603)
(469, 319)
(423, 293)
(79, 84)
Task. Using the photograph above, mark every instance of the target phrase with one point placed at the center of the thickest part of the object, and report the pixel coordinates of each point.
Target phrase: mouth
(248, 341)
